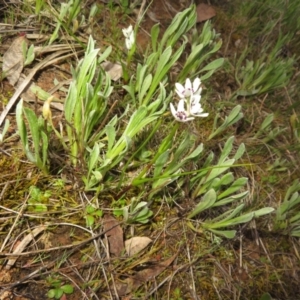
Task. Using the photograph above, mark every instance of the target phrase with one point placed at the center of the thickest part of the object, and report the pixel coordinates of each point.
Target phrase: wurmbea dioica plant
(287, 214)
(100, 140)
(190, 98)
(129, 37)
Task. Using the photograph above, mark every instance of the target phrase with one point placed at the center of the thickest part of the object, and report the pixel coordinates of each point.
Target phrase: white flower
(181, 114)
(129, 37)
(195, 106)
(188, 89)
(189, 105)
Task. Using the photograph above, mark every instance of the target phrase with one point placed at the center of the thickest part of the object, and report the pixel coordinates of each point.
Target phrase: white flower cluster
(189, 105)
(129, 37)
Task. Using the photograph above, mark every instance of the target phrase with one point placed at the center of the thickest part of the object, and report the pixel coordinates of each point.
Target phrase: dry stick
(46, 62)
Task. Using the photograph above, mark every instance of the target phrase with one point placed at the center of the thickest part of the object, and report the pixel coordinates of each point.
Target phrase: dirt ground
(256, 261)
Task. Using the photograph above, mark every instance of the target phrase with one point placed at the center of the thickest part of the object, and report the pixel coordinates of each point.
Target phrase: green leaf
(229, 234)
(226, 179)
(234, 116)
(295, 218)
(207, 201)
(105, 54)
(296, 231)
(58, 293)
(35, 133)
(154, 35)
(195, 153)
(140, 75)
(21, 124)
(160, 163)
(39, 207)
(213, 65)
(90, 209)
(240, 151)
(195, 54)
(177, 22)
(51, 293)
(44, 148)
(263, 211)
(267, 121)
(231, 199)
(295, 187)
(163, 60)
(227, 215)
(207, 75)
(145, 86)
(29, 55)
(90, 220)
(231, 222)
(98, 213)
(93, 157)
(238, 184)
(111, 135)
(226, 150)
(67, 288)
(219, 169)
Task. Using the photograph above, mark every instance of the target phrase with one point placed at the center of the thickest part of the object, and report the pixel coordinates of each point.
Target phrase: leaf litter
(114, 234)
(13, 60)
(204, 12)
(136, 244)
(132, 283)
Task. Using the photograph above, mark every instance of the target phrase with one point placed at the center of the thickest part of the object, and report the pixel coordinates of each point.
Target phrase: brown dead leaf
(204, 12)
(136, 244)
(113, 70)
(114, 234)
(130, 284)
(13, 60)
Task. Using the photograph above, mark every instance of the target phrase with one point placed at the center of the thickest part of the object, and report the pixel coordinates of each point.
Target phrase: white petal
(179, 90)
(127, 31)
(173, 110)
(196, 84)
(204, 115)
(180, 114)
(131, 38)
(181, 105)
(195, 109)
(182, 117)
(188, 84)
(195, 99)
(187, 119)
(199, 113)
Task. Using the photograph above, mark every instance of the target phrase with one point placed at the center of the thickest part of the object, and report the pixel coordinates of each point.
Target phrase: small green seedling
(58, 289)
(137, 212)
(38, 199)
(91, 214)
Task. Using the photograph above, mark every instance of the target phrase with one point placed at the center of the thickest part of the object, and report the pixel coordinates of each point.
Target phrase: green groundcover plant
(104, 143)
